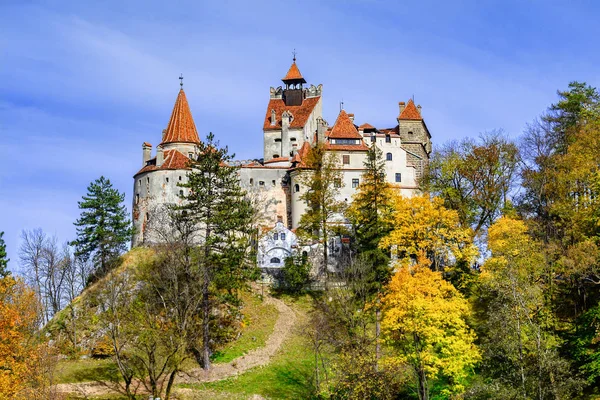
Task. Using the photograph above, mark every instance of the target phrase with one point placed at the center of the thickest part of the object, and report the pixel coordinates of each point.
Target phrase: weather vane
(342, 105)
(181, 80)
(294, 53)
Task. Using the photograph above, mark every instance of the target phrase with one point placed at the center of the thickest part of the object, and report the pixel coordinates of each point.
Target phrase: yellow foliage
(424, 226)
(18, 325)
(424, 318)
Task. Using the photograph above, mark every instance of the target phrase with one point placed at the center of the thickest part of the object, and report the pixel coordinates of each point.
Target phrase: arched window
(296, 188)
(388, 156)
(275, 260)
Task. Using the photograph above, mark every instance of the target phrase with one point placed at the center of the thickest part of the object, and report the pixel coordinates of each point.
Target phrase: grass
(260, 320)
(288, 376)
(89, 370)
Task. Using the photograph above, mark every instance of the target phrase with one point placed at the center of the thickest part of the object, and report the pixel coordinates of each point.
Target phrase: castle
(293, 122)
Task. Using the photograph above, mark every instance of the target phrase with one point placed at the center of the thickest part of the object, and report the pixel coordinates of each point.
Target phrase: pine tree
(4, 272)
(216, 202)
(322, 180)
(371, 213)
(103, 229)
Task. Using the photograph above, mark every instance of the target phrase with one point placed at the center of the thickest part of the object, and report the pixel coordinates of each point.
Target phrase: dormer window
(275, 236)
(388, 139)
(191, 155)
(282, 236)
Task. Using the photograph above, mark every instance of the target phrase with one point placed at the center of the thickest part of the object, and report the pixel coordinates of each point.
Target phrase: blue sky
(84, 83)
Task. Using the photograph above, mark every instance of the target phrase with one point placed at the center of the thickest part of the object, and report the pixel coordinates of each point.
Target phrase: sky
(84, 83)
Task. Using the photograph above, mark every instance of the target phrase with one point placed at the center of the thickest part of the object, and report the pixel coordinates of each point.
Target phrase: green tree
(103, 229)
(216, 203)
(4, 272)
(296, 272)
(322, 178)
(371, 216)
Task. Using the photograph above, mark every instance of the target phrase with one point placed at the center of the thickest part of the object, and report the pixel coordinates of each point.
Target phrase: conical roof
(294, 74)
(344, 128)
(181, 128)
(410, 112)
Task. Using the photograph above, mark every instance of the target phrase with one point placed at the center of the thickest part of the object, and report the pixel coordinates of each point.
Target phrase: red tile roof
(173, 159)
(346, 147)
(300, 113)
(278, 159)
(181, 128)
(146, 144)
(293, 73)
(410, 112)
(300, 156)
(366, 126)
(343, 128)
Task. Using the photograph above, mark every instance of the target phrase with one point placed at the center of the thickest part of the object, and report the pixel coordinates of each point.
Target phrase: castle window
(148, 180)
(388, 139)
(275, 236)
(261, 183)
(277, 140)
(292, 139)
(282, 236)
(398, 177)
(137, 198)
(273, 182)
(354, 183)
(139, 181)
(275, 155)
(410, 132)
(346, 159)
(275, 260)
(191, 155)
(179, 177)
(181, 193)
(296, 188)
(251, 182)
(388, 157)
(167, 179)
(373, 139)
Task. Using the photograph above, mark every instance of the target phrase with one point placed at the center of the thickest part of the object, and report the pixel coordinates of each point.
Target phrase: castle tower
(291, 117)
(156, 184)
(414, 135)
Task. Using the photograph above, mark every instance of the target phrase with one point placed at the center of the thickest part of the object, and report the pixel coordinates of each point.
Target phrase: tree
(4, 272)
(216, 203)
(424, 318)
(371, 216)
(103, 229)
(423, 226)
(322, 179)
(474, 177)
(296, 272)
(521, 353)
(19, 350)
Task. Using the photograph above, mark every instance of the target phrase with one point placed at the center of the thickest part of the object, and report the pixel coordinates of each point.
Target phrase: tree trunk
(170, 384)
(377, 334)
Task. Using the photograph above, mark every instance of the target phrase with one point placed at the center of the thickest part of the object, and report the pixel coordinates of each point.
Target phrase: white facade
(275, 246)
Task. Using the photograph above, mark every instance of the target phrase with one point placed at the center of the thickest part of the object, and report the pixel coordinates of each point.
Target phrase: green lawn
(72, 371)
(288, 376)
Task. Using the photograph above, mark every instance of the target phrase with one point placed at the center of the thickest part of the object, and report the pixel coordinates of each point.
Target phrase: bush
(296, 272)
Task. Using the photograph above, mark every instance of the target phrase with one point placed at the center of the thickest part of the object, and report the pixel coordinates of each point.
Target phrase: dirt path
(254, 358)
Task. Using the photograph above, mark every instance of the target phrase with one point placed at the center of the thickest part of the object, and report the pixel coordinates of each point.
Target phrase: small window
(179, 177)
(410, 132)
(181, 193)
(282, 236)
(139, 181)
(346, 159)
(261, 183)
(388, 139)
(354, 183)
(148, 180)
(296, 188)
(273, 182)
(292, 139)
(373, 139)
(137, 198)
(275, 155)
(388, 156)
(191, 155)
(167, 179)
(251, 182)
(277, 140)
(276, 236)
(398, 177)
(275, 260)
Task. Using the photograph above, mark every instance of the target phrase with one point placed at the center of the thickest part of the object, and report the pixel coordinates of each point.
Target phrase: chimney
(273, 117)
(351, 116)
(402, 106)
(419, 108)
(147, 152)
(321, 128)
(279, 219)
(160, 157)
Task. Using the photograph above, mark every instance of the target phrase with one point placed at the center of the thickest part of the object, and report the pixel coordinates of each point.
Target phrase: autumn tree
(424, 319)
(103, 229)
(320, 180)
(4, 272)
(474, 178)
(521, 352)
(424, 226)
(217, 204)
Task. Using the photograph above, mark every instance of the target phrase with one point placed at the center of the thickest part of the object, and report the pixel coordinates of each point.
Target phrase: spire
(293, 75)
(410, 112)
(181, 128)
(344, 128)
